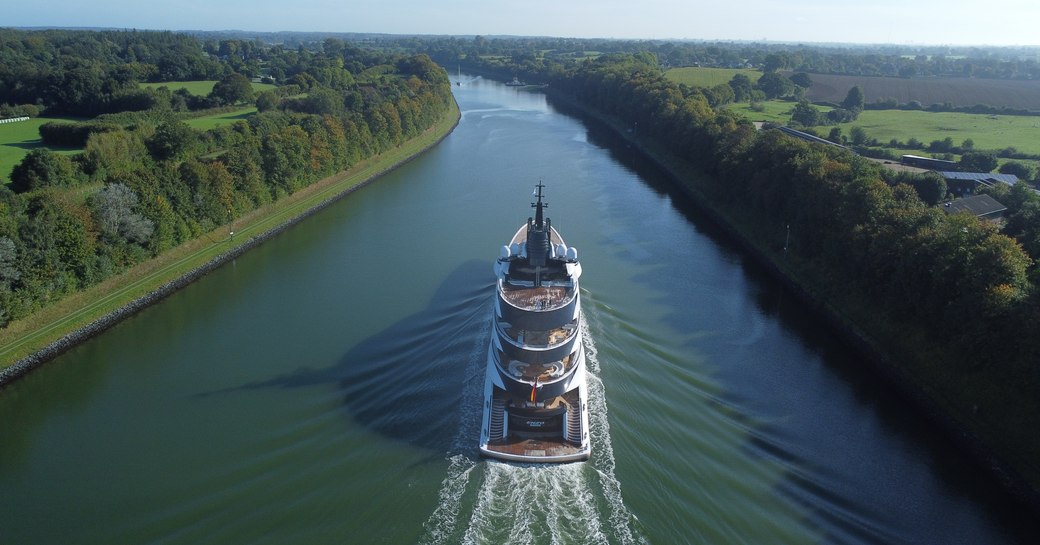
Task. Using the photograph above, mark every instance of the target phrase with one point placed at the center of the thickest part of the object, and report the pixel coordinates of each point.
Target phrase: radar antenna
(539, 206)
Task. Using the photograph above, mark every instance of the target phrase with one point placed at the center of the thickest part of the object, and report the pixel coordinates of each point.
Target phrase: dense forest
(146, 181)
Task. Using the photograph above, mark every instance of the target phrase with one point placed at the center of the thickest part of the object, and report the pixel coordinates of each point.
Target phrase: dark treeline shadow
(409, 382)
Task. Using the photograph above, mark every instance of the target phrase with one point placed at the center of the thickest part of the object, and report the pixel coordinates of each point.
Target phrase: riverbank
(888, 349)
(27, 343)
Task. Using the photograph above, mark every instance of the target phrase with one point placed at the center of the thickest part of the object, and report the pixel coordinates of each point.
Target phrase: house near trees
(965, 183)
(981, 206)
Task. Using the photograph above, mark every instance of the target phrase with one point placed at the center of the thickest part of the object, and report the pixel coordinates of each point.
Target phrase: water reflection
(847, 460)
(404, 382)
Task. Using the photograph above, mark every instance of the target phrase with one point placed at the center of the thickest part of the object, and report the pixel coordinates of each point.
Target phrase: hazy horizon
(929, 22)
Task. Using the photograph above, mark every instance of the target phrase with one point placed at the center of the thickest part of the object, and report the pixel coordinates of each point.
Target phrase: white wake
(495, 502)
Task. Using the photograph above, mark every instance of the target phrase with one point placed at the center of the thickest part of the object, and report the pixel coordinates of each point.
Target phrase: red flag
(534, 390)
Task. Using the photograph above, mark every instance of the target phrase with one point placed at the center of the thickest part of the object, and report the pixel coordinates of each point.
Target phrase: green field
(988, 132)
(216, 120)
(776, 111)
(708, 77)
(201, 88)
(17, 139)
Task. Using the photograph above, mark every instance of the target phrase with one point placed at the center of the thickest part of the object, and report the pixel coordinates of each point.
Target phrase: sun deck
(537, 298)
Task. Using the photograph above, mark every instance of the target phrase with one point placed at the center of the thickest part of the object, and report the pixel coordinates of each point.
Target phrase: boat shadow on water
(413, 381)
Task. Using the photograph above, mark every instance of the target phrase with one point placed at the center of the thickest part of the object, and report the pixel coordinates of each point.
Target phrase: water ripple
(531, 504)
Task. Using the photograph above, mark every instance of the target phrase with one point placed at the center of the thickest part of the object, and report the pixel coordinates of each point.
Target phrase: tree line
(855, 216)
(939, 280)
(146, 182)
(906, 61)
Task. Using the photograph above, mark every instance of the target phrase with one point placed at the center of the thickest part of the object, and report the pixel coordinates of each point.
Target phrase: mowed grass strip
(27, 336)
(695, 76)
(19, 138)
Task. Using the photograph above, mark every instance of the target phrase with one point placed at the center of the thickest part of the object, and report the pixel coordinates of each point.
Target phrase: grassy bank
(28, 336)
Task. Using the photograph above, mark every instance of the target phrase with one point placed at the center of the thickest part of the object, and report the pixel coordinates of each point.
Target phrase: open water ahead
(325, 387)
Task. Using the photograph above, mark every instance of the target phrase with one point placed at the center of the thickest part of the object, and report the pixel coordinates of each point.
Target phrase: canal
(325, 387)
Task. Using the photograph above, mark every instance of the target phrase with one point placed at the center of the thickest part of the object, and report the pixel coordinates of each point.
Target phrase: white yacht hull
(497, 441)
(535, 394)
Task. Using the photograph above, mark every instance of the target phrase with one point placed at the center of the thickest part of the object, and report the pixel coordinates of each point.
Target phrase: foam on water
(441, 525)
(496, 502)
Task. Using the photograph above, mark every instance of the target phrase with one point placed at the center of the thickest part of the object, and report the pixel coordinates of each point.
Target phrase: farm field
(1017, 94)
(775, 111)
(18, 139)
(988, 132)
(216, 120)
(200, 88)
(709, 77)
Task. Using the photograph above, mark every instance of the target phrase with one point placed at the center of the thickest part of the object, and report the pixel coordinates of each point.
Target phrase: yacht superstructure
(535, 394)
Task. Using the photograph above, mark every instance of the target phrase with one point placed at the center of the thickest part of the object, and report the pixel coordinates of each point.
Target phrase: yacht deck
(537, 298)
(537, 448)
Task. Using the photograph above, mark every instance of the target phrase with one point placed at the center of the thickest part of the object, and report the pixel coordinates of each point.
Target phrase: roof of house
(988, 177)
(932, 160)
(808, 137)
(977, 205)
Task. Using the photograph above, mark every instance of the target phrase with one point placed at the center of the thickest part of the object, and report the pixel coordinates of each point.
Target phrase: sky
(938, 22)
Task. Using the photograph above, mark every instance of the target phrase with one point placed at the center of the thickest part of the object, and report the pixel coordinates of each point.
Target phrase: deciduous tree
(115, 213)
(979, 161)
(853, 100)
(774, 85)
(42, 168)
(232, 89)
(171, 140)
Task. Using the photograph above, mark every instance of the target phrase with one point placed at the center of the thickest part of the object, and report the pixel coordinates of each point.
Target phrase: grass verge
(46, 327)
